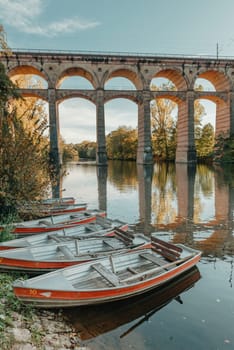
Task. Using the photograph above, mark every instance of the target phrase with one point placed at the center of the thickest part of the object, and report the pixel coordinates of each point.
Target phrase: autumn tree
(69, 152)
(163, 125)
(24, 171)
(31, 110)
(24, 166)
(4, 48)
(205, 139)
(204, 135)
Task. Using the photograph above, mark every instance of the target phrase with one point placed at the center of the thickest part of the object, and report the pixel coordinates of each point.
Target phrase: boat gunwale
(58, 298)
(61, 233)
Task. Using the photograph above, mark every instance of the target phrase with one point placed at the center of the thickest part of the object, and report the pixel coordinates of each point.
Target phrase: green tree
(224, 148)
(86, 149)
(122, 143)
(204, 141)
(69, 152)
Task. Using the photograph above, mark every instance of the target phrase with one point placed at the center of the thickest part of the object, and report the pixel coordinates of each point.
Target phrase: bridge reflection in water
(187, 204)
(192, 204)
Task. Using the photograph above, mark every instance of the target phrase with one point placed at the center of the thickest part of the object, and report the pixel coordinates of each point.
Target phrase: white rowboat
(102, 226)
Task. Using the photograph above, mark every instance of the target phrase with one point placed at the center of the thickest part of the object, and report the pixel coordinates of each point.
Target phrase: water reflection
(92, 321)
(123, 175)
(102, 187)
(184, 204)
(145, 175)
(194, 204)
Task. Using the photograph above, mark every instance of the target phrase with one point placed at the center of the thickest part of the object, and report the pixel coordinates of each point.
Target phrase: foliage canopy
(24, 162)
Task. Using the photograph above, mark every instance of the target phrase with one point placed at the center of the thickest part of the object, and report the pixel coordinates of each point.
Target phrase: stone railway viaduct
(98, 68)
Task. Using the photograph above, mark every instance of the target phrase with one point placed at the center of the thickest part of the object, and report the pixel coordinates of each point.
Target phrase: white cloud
(71, 24)
(77, 118)
(25, 14)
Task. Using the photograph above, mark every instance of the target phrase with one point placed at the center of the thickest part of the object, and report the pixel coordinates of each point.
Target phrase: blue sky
(168, 26)
(143, 26)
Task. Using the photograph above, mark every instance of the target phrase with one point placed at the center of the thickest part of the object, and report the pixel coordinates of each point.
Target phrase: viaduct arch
(98, 68)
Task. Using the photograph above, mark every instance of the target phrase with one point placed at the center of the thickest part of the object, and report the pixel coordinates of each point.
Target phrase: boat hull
(24, 229)
(51, 298)
(56, 201)
(42, 210)
(77, 231)
(49, 257)
(63, 210)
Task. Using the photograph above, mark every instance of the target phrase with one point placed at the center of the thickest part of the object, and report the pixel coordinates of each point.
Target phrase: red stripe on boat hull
(63, 211)
(31, 266)
(35, 229)
(109, 233)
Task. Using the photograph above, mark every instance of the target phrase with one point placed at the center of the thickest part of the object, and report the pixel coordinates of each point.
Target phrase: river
(193, 205)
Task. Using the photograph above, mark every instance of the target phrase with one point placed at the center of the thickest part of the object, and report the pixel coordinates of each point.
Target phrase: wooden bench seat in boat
(126, 236)
(107, 274)
(90, 228)
(152, 258)
(113, 244)
(166, 249)
(66, 252)
(55, 238)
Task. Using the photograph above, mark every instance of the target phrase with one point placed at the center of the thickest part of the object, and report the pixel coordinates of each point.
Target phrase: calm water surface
(191, 205)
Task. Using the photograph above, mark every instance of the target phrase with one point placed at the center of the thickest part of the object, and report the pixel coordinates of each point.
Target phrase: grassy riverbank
(9, 307)
(24, 327)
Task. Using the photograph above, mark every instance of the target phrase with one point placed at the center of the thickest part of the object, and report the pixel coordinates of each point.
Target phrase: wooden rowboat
(41, 210)
(46, 203)
(102, 226)
(52, 223)
(46, 258)
(57, 201)
(112, 278)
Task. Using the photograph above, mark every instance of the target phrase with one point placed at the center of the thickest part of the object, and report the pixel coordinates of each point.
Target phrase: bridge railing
(122, 54)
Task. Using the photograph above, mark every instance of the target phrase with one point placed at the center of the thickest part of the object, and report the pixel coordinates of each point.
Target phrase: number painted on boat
(33, 291)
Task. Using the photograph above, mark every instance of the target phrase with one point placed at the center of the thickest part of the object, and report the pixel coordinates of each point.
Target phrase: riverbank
(25, 328)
